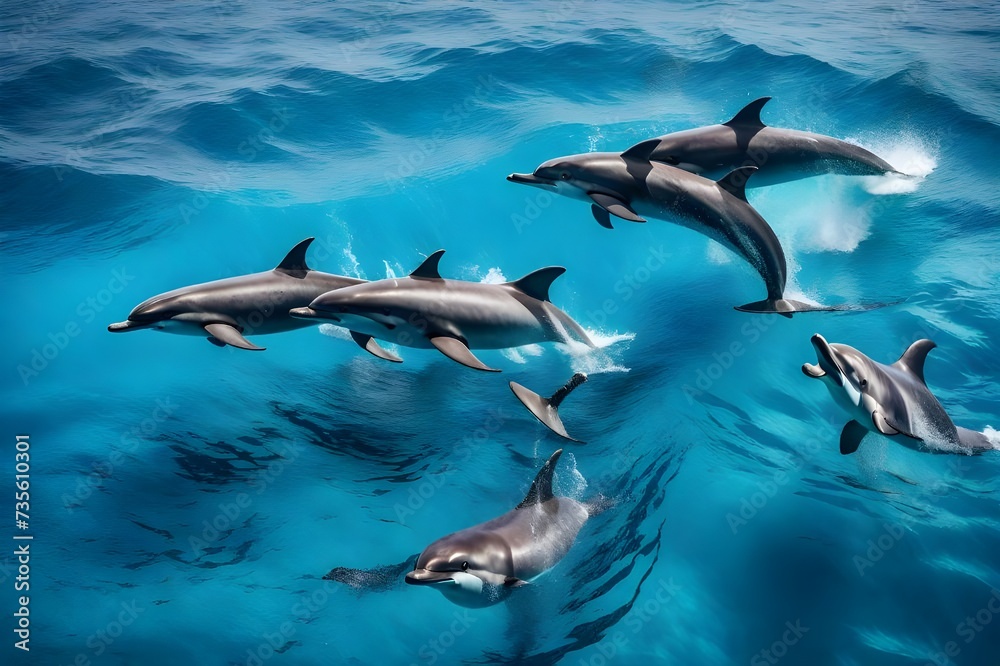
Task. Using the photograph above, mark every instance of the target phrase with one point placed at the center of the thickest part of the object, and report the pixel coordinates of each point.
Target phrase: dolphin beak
(129, 325)
(530, 179)
(309, 313)
(827, 361)
(426, 577)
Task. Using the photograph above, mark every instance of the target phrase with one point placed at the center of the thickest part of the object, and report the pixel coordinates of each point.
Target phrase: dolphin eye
(564, 175)
(864, 383)
(465, 566)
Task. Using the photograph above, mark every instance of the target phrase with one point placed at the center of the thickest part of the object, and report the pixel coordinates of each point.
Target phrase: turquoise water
(187, 500)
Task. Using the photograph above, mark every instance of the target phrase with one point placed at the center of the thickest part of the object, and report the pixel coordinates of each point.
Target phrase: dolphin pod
(662, 177)
(889, 399)
(628, 185)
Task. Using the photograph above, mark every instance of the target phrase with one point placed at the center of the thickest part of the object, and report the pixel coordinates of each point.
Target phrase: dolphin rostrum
(478, 566)
(627, 185)
(780, 154)
(227, 310)
(889, 399)
(425, 310)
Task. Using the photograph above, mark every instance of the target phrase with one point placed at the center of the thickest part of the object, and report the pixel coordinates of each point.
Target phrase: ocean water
(187, 500)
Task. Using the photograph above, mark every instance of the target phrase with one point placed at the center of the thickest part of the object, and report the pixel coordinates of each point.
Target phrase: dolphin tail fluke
(546, 410)
(786, 307)
(977, 441)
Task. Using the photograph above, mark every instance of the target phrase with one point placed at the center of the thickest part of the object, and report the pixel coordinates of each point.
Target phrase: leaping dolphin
(480, 565)
(424, 310)
(627, 185)
(888, 399)
(226, 310)
(780, 154)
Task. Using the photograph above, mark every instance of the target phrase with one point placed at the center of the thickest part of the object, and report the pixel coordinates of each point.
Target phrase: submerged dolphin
(780, 154)
(628, 184)
(478, 566)
(888, 399)
(227, 310)
(424, 310)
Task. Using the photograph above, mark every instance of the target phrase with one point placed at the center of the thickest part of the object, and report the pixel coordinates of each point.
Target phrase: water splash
(571, 482)
(519, 354)
(910, 156)
(993, 436)
(595, 360)
(493, 276)
(337, 332)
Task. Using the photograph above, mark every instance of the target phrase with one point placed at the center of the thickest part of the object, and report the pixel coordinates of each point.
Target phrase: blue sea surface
(187, 500)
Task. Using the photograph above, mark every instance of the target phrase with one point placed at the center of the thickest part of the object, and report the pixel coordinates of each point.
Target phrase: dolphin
(424, 310)
(226, 310)
(627, 185)
(480, 565)
(888, 399)
(781, 154)
(546, 410)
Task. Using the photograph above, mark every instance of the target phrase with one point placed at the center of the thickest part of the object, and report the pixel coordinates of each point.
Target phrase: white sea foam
(909, 155)
(571, 482)
(594, 361)
(493, 276)
(993, 436)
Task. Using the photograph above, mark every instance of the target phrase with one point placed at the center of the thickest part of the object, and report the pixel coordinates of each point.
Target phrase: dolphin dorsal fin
(913, 358)
(749, 115)
(735, 182)
(429, 268)
(641, 152)
(541, 487)
(294, 262)
(536, 284)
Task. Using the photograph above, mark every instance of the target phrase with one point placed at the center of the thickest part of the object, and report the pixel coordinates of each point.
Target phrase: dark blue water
(187, 500)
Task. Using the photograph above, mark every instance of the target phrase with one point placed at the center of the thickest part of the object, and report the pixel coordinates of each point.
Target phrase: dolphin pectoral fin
(851, 436)
(514, 581)
(615, 206)
(369, 344)
(459, 352)
(601, 216)
(228, 335)
(882, 425)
